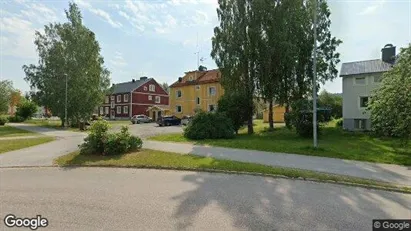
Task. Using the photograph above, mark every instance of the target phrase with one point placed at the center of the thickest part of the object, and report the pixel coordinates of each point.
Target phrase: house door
(159, 114)
(154, 116)
(112, 114)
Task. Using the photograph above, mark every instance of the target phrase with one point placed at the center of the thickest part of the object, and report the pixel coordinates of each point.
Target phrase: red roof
(211, 76)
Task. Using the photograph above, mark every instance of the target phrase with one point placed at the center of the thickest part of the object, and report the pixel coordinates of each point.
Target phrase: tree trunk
(270, 115)
(250, 127)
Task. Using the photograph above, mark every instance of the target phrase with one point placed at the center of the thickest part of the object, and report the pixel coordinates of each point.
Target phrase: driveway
(149, 129)
(142, 199)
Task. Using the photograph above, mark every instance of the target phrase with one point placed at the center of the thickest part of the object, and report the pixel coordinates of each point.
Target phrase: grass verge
(55, 124)
(11, 145)
(333, 142)
(165, 160)
(8, 131)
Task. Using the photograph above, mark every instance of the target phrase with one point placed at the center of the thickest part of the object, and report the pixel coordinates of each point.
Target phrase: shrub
(100, 142)
(206, 125)
(16, 119)
(3, 120)
(26, 109)
(232, 105)
(301, 118)
(339, 123)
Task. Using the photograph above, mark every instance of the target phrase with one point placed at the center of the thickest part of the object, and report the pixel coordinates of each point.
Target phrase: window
(112, 104)
(157, 99)
(198, 87)
(150, 97)
(118, 98)
(125, 97)
(106, 100)
(211, 91)
(377, 79)
(363, 101)
(190, 78)
(198, 100)
(211, 107)
(179, 109)
(360, 80)
(145, 88)
(178, 93)
(359, 123)
(118, 109)
(101, 110)
(152, 87)
(106, 110)
(125, 109)
(112, 98)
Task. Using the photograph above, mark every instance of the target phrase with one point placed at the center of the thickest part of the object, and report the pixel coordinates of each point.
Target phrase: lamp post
(65, 106)
(315, 143)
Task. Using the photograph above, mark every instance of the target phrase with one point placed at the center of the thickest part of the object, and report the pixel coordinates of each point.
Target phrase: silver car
(186, 120)
(137, 119)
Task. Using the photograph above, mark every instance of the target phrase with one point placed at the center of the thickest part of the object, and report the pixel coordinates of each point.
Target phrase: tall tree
(166, 87)
(68, 53)
(391, 102)
(232, 51)
(6, 88)
(332, 101)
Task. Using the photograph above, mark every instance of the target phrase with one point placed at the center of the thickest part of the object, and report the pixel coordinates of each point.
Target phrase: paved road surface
(132, 199)
(149, 129)
(384, 172)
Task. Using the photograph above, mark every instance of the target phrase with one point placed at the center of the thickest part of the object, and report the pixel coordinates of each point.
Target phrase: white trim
(107, 111)
(124, 98)
(118, 101)
(215, 92)
(144, 93)
(112, 105)
(152, 87)
(112, 98)
(150, 97)
(360, 77)
(159, 99)
(121, 109)
(124, 109)
(149, 104)
(121, 104)
(101, 110)
(130, 110)
(178, 97)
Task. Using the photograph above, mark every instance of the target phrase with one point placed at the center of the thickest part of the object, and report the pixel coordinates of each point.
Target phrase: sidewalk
(384, 172)
(19, 137)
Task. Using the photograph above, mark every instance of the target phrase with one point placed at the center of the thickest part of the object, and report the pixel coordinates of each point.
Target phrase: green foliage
(331, 101)
(391, 103)
(68, 53)
(100, 142)
(6, 88)
(16, 119)
(232, 105)
(301, 118)
(3, 119)
(339, 123)
(206, 125)
(26, 109)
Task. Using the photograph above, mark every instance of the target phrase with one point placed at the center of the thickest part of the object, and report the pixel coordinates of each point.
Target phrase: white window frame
(197, 87)
(368, 100)
(125, 109)
(145, 88)
(158, 99)
(360, 84)
(112, 105)
(181, 94)
(112, 98)
(209, 91)
(152, 87)
(118, 98)
(125, 98)
(181, 109)
(118, 111)
(150, 97)
(198, 100)
(190, 78)
(106, 110)
(107, 99)
(101, 110)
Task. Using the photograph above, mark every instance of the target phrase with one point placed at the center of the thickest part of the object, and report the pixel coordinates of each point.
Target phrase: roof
(364, 67)
(128, 86)
(210, 76)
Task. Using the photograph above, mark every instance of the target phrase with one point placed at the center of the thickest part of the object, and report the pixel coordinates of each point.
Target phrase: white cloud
(373, 8)
(82, 3)
(118, 60)
(104, 15)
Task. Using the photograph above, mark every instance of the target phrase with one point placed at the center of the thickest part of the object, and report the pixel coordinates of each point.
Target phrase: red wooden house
(134, 98)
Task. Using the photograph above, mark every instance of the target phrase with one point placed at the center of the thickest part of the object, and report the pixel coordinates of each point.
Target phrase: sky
(160, 38)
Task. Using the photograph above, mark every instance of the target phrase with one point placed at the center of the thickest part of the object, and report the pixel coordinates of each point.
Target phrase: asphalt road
(149, 129)
(133, 199)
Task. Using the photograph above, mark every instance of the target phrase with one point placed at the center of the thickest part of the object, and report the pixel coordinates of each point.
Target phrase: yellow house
(278, 114)
(196, 90)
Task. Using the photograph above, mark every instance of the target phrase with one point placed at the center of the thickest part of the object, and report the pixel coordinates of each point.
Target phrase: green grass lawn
(10, 145)
(333, 142)
(158, 159)
(7, 131)
(55, 124)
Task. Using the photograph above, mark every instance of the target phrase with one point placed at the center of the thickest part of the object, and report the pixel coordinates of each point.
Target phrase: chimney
(143, 78)
(180, 79)
(388, 53)
(133, 80)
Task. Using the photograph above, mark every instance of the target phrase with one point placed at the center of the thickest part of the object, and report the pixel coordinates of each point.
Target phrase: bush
(16, 119)
(100, 142)
(206, 125)
(232, 105)
(339, 123)
(26, 109)
(3, 120)
(301, 118)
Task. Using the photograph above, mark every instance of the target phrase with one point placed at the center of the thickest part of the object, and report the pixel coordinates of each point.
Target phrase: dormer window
(152, 87)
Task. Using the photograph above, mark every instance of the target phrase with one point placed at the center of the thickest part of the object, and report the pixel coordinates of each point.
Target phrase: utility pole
(315, 142)
(65, 109)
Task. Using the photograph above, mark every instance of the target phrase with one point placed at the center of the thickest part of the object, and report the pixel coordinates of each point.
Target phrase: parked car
(186, 120)
(137, 119)
(169, 120)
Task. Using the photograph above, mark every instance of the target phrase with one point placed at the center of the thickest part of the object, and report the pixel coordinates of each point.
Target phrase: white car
(137, 119)
(186, 120)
